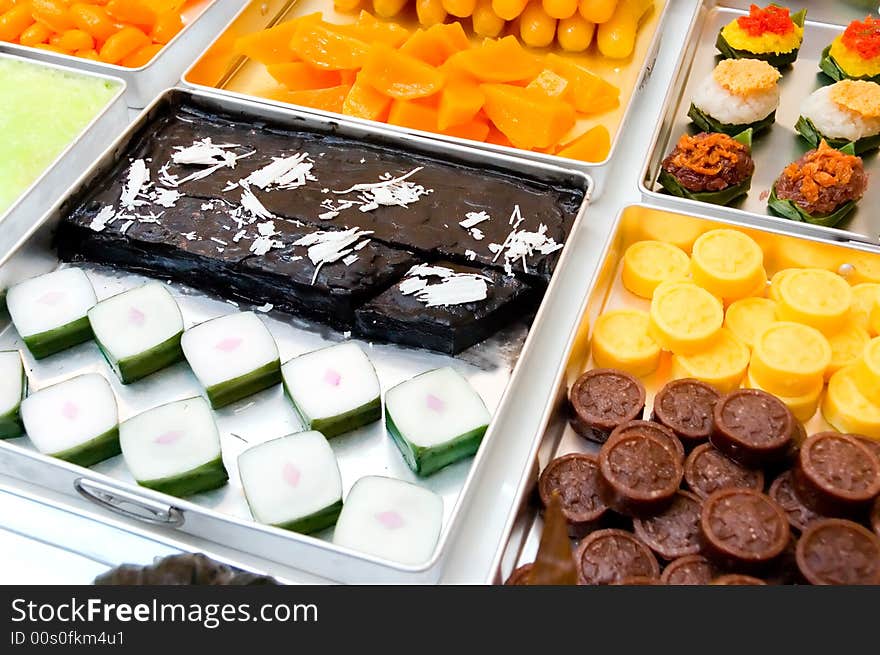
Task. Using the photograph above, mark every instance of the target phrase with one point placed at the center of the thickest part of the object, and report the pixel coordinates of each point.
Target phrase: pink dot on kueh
(390, 519)
(435, 403)
(331, 377)
(70, 410)
(136, 316)
(51, 297)
(169, 437)
(229, 344)
(291, 474)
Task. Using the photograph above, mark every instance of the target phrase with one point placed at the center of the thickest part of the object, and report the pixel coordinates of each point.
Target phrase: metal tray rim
(122, 87)
(646, 68)
(525, 481)
(244, 103)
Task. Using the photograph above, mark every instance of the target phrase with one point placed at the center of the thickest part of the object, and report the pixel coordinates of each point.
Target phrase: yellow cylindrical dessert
(801, 253)
(727, 263)
(847, 345)
(789, 359)
(847, 409)
(864, 267)
(874, 317)
(621, 340)
(864, 296)
(776, 280)
(815, 297)
(803, 407)
(679, 230)
(684, 317)
(723, 364)
(866, 371)
(646, 264)
(748, 317)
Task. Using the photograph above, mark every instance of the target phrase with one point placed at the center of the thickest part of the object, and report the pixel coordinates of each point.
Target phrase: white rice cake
(13, 389)
(174, 448)
(49, 311)
(138, 331)
(293, 482)
(435, 419)
(75, 420)
(391, 519)
(233, 356)
(334, 389)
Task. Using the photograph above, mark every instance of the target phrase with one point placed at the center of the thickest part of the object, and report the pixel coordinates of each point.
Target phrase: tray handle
(128, 505)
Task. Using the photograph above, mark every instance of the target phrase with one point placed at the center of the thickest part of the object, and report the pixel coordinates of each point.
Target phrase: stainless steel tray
(205, 19)
(522, 532)
(71, 162)
(780, 145)
(222, 516)
(219, 69)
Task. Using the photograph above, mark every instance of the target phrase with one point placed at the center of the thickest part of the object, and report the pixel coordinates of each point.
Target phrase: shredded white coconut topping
(451, 288)
(328, 247)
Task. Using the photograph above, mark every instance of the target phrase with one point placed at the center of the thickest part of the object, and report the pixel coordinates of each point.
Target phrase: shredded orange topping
(822, 168)
(770, 19)
(863, 37)
(706, 153)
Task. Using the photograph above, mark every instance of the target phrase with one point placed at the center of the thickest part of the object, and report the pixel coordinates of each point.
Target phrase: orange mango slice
(460, 101)
(132, 12)
(143, 56)
(122, 44)
(330, 99)
(370, 29)
(476, 130)
(54, 14)
(363, 101)
(550, 84)
(413, 115)
(327, 48)
(272, 46)
(93, 19)
(437, 43)
(166, 27)
(527, 117)
(399, 75)
(504, 60)
(591, 146)
(300, 76)
(590, 94)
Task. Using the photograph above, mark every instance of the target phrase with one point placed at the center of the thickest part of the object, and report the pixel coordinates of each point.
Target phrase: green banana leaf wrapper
(708, 124)
(775, 59)
(790, 210)
(723, 197)
(808, 130)
(832, 69)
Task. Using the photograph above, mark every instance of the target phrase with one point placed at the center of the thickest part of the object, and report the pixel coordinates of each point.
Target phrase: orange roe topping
(706, 153)
(863, 37)
(822, 168)
(771, 19)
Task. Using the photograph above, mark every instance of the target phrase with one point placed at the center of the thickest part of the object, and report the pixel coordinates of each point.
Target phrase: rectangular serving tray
(222, 516)
(70, 162)
(220, 69)
(522, 532)
(205, 19)
(775, 148)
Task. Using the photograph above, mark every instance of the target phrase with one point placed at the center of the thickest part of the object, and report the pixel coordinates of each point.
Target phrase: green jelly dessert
(42, 110)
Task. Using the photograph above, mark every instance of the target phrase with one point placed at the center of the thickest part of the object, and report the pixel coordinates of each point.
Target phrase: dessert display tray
(775, 148)
(204, 19)
(222, 516)
(606, 292)
(71, 162)
(219, 68)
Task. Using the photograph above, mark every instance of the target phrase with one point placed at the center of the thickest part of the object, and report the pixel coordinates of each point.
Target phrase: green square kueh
(248, 384)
